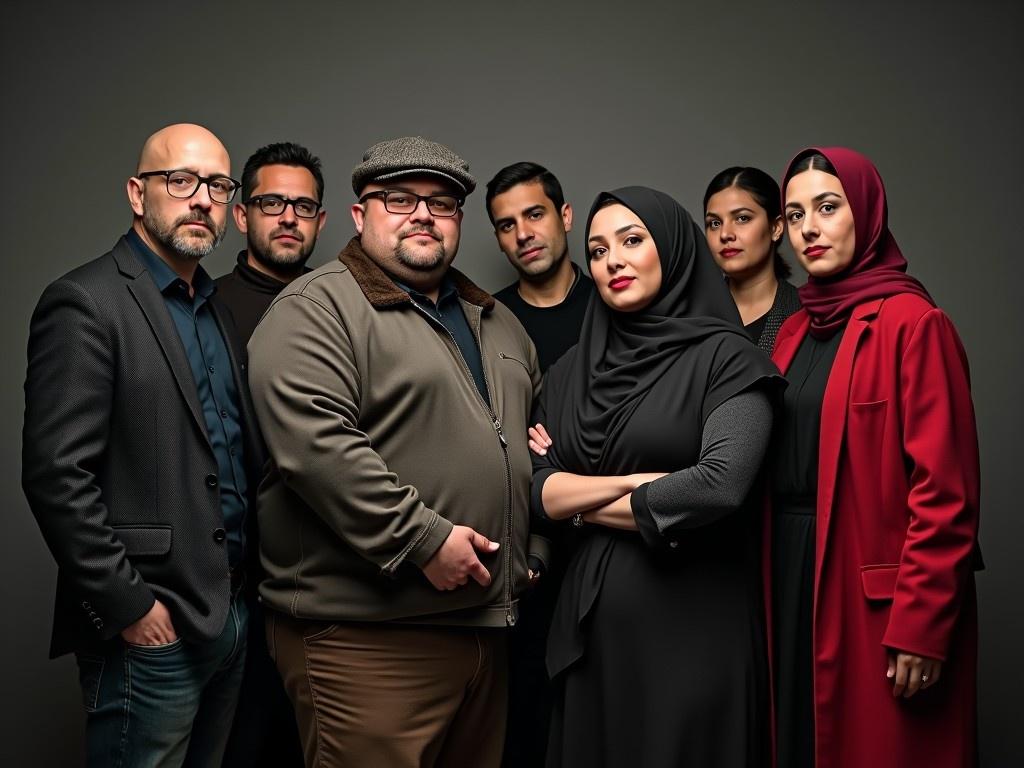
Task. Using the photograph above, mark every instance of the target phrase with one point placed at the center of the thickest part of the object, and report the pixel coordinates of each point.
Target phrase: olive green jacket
(380, 442)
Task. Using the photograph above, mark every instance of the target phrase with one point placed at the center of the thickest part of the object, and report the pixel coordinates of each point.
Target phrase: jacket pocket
(503, 356)
(145, 540)
(867, 423)
(879, 581)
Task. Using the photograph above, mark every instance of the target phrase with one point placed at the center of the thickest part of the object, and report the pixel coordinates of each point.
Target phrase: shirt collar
(161, 272)
(446, 292)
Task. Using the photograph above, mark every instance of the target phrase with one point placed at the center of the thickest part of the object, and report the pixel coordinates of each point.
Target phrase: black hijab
(594, 390)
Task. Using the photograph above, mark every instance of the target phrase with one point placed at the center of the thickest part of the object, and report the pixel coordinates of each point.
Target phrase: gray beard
(185, 246)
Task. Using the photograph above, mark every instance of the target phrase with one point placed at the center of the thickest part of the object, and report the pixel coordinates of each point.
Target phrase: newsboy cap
(411, 155)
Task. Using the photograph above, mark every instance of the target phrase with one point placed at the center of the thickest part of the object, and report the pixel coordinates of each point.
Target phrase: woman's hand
(912, 673)
(539, 441)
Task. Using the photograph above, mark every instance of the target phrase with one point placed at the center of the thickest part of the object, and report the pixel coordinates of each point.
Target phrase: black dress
(657, 650)
(794, 491)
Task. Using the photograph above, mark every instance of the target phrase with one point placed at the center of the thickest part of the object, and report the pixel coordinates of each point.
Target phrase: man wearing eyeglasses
(394, 397)
(138, 459)
(281, 216)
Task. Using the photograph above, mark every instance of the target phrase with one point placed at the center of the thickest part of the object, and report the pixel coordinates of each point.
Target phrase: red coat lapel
(833, 426)
(788, 339)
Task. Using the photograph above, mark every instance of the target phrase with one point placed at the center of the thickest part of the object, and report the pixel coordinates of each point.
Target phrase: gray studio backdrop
(605, 94)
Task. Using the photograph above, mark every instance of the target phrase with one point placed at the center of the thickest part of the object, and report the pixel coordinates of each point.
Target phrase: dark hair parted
(281, 153)
(810, 160)
(765, 192)
(524, 173)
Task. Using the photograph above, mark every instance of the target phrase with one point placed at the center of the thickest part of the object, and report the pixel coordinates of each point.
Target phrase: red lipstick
(621, 283)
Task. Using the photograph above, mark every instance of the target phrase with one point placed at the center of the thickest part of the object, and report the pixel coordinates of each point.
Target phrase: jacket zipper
(496, 423)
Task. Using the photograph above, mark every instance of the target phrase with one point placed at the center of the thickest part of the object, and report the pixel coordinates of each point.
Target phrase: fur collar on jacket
(380, 290)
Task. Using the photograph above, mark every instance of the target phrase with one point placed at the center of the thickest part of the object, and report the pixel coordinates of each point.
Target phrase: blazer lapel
(153, 306)
(833, 426)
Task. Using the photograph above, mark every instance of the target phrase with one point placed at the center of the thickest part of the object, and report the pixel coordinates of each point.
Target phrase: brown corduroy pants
(393, 696)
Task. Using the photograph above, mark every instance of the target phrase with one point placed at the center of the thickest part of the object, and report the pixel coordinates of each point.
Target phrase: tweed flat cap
(410, 155)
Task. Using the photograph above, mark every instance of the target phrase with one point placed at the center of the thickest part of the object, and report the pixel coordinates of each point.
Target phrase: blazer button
(219, 534)
(211, 481)
(98, 623)
(673, 544)
(86, 606)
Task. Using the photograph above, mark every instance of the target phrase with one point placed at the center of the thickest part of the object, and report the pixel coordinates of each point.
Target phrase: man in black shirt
(531, 219)
(281, 215)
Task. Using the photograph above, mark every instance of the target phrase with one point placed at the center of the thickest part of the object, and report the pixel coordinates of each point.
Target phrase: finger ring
(924, 678)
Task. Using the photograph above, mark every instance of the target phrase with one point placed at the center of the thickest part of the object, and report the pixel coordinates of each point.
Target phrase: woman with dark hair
(875, 495)
(659, 419)
(743, 225)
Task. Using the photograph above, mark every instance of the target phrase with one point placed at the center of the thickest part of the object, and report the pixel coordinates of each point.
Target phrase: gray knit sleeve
(733, 444)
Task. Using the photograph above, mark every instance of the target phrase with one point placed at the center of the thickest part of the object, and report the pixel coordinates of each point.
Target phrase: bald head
(182, 224)
(171, 146)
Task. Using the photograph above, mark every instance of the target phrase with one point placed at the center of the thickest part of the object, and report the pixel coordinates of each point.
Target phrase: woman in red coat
(875, 495)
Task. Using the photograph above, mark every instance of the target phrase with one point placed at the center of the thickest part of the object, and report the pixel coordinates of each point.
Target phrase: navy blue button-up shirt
(207, 354)
(448, 312)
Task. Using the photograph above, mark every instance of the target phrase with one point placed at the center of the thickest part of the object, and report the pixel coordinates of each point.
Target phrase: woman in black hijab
(658, 422)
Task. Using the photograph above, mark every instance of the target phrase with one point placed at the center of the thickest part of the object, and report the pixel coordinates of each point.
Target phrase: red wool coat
(896, 538)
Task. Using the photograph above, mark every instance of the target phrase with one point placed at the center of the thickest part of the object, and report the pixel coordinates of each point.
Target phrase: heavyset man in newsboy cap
(394, 396)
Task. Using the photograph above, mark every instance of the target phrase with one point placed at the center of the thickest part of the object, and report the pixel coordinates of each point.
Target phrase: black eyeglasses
(397, 201)
(274, 205)
(184, 184)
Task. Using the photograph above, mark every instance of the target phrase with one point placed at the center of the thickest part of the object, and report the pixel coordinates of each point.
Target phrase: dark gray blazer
(116, 463)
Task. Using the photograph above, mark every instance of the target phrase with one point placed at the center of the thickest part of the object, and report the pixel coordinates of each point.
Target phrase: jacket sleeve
(69, 390)
(941, 447)
(306, 391)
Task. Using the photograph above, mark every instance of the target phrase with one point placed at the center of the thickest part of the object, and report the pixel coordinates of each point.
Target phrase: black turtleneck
(247, 292)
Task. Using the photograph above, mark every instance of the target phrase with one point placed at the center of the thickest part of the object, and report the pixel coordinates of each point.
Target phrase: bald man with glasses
(140, 466)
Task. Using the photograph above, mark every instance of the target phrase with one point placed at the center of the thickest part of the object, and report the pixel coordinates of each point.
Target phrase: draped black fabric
(636, 623)
(597, 386)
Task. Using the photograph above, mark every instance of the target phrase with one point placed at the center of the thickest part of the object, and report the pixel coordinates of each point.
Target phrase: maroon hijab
(878, 269)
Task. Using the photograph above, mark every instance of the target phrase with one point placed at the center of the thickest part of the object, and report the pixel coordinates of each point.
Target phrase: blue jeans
(164, 705)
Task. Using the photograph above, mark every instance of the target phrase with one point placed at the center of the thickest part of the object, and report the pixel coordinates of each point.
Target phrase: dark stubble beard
(544, 276)
(262, 250)
(185, 245)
